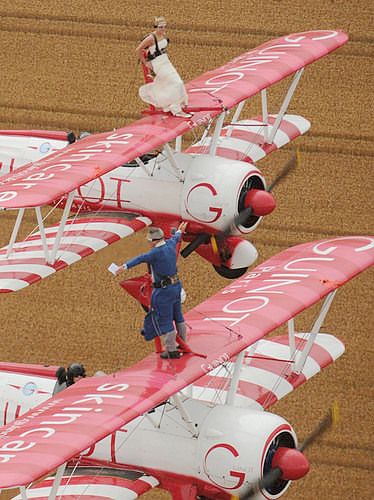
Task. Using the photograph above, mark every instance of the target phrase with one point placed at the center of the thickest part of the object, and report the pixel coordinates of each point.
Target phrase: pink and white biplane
(196, 426)
(115, 183)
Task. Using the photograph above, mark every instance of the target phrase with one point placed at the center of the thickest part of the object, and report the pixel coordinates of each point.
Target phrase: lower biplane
(197, 426)
(112, 184)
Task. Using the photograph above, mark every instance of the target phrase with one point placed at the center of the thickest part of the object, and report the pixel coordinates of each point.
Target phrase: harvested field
(71, 66)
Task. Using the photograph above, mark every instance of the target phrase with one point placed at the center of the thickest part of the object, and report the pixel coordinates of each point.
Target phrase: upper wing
(42, 182)
(235, 318)
(27, 264)
(259, 68)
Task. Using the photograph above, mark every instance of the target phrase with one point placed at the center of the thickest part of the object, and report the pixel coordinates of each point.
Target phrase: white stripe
(68, 257)
(282, 351)
(13, 284)
(106, 491)
(301, 123)
(218, 397)
(119, 229)
(86, 241)
(152, 481)
(270, 381)
(331, 344)
(38, 269)
(280, 138)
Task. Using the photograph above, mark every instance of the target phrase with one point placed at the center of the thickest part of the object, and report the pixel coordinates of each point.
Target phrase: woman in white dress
(167, 90)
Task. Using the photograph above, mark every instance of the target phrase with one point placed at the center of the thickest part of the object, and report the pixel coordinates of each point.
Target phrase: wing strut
(61, 227)
(285, 104)
(315, 330)
(57, 481)
(17, 225)
(173, 163)
(235, 378)
(216, 134)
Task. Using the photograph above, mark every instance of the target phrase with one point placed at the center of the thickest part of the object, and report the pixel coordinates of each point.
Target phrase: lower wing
(26, 263)
(91, 483)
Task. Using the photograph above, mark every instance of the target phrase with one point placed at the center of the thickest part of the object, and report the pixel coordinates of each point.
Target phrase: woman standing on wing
(167, 90)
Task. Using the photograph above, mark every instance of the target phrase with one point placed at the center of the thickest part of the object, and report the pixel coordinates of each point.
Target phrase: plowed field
(71, 66)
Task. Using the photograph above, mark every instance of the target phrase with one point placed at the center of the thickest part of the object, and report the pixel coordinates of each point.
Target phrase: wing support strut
(184, 414)
(285, 104)
(216, 134)
(173, 163)
(315, 330)
(57, 481)
(143, 166)
(61, 228)
(17, 225)
(230, 397)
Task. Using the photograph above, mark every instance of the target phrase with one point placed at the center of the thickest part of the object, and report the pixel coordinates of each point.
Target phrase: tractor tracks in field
(348, 455)
(118, 30)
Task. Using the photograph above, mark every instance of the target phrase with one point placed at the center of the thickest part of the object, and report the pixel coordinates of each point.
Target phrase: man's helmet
(155, 234)
(75, 370)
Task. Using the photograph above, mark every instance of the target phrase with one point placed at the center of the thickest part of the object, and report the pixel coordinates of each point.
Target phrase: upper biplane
(117, 182)
(196, 426)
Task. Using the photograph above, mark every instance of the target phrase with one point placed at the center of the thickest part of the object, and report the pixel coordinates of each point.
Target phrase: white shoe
(182, 114)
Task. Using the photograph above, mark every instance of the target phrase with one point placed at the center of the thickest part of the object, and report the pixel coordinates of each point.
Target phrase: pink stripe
(69, 247)
(320, 355)
(93, 233)
(247, 389)
(138, 486)
(44, 134)
(231, 154)
(19, 275)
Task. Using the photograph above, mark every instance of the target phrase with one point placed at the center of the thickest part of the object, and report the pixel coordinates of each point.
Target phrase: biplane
(113, 184)
(197, 426)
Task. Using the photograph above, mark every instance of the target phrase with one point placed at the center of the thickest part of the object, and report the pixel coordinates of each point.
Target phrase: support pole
(285, 104)
(235, 118)
(291, 337)
(42, 232)
(313, 333)
(22, 490)
(17, 225)
(185, 416)
(57, 481)
(61, 228)
(265, 116)
(173, 163)
(216, 134)
(230, 397)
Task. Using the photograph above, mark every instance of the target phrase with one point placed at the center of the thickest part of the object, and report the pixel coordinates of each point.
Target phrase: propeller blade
(326, 423)
(199, 240)
(289, 166)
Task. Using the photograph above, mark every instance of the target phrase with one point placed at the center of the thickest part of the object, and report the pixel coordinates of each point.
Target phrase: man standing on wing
(166, 305)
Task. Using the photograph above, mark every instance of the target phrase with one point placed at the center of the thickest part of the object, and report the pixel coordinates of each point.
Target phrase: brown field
(71, 66)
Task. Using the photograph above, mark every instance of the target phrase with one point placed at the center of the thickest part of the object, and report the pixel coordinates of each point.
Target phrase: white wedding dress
(167, 91)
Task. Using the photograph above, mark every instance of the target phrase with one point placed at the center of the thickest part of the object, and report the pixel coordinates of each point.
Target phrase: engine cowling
(215, 191)
(234, 457)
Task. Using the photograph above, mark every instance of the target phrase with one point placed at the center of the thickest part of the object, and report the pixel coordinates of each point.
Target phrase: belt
(150, 57)
(169, 280)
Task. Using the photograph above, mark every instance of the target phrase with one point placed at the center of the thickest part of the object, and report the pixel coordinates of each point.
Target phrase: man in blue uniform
(166, 295)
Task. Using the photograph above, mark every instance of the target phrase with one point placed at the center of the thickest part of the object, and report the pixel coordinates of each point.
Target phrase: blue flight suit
(165, 301)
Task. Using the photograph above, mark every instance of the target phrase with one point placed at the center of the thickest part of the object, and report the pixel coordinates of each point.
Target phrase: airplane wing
(259, 68)
(27, 264)
(221, 327)
(42, 182)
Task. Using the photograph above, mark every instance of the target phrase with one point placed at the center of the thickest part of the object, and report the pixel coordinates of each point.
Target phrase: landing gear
(230, 273)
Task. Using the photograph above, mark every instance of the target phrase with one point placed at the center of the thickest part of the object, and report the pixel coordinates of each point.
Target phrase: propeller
(290, 463)
(257, 201)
